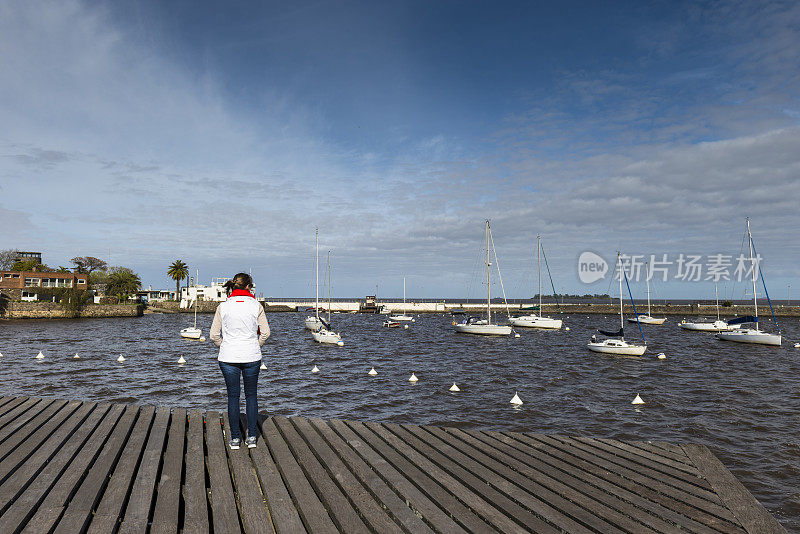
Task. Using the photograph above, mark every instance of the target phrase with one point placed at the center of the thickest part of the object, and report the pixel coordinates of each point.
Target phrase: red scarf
(241, 293)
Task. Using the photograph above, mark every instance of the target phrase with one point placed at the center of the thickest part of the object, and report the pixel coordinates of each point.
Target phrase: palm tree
(178, 271)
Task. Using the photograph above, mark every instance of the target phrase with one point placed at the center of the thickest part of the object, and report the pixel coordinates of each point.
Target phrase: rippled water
(742, 401)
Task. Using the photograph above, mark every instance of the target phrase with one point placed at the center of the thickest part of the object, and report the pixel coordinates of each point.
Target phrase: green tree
(62, 269)
(122, 283)
(178, 271)
(30, 266)
(88, 264)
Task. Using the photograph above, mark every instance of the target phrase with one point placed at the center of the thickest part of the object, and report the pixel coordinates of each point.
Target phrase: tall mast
(716, 297)
(539, 269)
(619, 263)
(195, 296)
(647, 267)
(488, 285)
(404, 295)
(329, 287)
(316, 269)
(753, 262)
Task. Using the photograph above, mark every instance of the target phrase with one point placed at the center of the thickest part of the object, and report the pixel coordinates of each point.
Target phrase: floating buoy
(202, 339)
(405, 326)
(516, 334)
(121, 358)
(454, 387)
(516, 400)
(40, 356)
(797, 345)
(454, 323)
(315, 369)
(263, 367)
(1, 354)
(637, 400)
(181, 360)
(413, 378)
(566, 328)
(341, 343)
(76, 357)
(662, 356)
(372, 372)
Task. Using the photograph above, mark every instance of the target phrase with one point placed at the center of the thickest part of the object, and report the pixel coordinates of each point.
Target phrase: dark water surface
(743, 401)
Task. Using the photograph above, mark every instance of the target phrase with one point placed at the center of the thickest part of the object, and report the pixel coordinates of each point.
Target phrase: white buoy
(121, 358)
(516, 334)
(1, 354)
(76, 357)
(341, 343)
(405, 326)
(181, 359)
(796, 345)
(454, 387)
(637, 400)
(315, 369)
(516, 400)
(263, 367)
(202, 339)
(40, 356)
(413, 378)
(662, 356)
(566, 328)
(372, 372)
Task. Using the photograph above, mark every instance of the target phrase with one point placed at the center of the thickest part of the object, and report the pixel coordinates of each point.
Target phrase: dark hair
(239, 281)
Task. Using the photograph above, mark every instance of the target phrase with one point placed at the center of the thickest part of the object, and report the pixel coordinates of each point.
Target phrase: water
(742, 401)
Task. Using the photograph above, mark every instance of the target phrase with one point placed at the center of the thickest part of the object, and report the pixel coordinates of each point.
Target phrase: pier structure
(73, 467)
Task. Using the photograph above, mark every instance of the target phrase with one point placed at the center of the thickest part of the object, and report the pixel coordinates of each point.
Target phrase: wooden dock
(72, 466)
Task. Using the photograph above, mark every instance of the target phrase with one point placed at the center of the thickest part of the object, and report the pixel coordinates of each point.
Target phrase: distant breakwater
(53, 310)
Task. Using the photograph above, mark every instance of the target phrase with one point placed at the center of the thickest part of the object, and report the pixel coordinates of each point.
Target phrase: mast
(716, 297)
(647, 265)
(316, 269)
(619, 263)
(195, 296)
(329, 287)
(488, 285)
(404, 295)
(753, 262)
(539, 269)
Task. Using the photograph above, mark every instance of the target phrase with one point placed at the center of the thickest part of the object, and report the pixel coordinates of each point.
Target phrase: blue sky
(223, 134)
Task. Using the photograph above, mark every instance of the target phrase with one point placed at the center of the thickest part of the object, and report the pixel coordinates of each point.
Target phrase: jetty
(73, 466)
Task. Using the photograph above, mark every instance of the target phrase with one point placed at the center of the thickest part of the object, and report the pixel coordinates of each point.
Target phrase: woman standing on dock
(240, 329)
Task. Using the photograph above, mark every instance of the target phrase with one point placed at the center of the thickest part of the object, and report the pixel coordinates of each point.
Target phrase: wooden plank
(223, 503)
(166, 511)
(424, 480)
(283, 513)
(3, 400)
(112, 502)
(659, 460)
(424, 507)
(27, 418)
(502, 510)
(195, 493)
(12, 403)
(612, 483)
(750, 513)
(362, 500)
(658, 448)
(252, 510)
(339, 508)
(315, 516)
(50, 511)
(402, 513)
(64, 469)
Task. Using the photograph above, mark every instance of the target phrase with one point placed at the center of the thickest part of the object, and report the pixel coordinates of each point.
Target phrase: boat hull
(484, 329)
(327, 337)
(716, 326)
(747, 335)
(191, 333)
(534, 321)
(646, 319)
(401, 318)
(614, 346)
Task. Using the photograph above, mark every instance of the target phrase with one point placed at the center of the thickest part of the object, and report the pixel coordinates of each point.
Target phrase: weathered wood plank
(223, 503)
(750, 513)
(401, 512)
(195, 493)
(112, 502)
(27, 418)
(339, 508)
(283, 513)
(166, 511)
(12, 403)
(312, 511)
(661, 461)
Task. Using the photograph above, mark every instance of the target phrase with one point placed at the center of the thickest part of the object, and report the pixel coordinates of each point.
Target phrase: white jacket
(239, 329)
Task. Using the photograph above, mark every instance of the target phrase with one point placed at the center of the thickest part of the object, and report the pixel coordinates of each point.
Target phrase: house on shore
(25, 285)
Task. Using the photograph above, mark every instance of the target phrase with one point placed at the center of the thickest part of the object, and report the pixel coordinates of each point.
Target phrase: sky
(223, 134)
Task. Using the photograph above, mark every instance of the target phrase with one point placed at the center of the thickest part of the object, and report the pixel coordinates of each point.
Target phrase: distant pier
(71, 466)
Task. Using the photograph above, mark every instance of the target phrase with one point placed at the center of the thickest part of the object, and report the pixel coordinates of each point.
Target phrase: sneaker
(251, 442)
(234, 443)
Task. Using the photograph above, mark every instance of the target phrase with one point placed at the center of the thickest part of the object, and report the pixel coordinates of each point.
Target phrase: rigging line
(500, 276)
(741, 252)
(555, 295)
(761, 274)
(634, 305)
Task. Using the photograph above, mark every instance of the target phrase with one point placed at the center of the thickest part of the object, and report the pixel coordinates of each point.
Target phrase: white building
(214, 293)
(155, 295)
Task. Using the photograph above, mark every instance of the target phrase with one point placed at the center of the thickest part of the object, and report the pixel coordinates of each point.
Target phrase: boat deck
(72, 466)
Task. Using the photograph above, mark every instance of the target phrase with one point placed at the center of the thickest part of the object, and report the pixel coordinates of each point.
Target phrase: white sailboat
(751, 335)
(617, 346)
(532, 320)
(193, 332)
(314, 323)
(647, 318)
(402, 316)
(325, 334)
(473, 325)
(701, 326)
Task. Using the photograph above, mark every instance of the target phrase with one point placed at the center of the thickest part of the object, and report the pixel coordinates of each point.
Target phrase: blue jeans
(249, 372)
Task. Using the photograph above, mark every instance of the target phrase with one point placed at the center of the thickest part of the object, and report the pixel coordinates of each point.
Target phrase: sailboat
(537, 321)
(617, 346)
(647, 319)
(717, 326)
(474, 325)
(752, 335)
(314, 322)
(193, 332)
(402, 316)
(325, 334)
